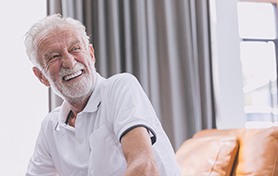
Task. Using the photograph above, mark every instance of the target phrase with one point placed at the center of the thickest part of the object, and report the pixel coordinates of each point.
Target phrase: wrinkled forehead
(57, 39)
(57, 34)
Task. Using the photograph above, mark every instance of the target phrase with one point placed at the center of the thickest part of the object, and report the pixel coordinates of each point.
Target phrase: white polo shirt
(117, 105)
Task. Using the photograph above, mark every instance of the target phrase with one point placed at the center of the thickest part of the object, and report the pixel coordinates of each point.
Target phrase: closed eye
(54, 57)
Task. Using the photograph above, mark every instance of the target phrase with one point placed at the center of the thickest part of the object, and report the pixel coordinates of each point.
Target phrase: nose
(68, 60)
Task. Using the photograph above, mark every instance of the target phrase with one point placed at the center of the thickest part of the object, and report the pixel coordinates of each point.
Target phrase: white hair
(49, 23)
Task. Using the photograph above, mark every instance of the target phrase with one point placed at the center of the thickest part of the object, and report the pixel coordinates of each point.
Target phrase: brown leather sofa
(234, 152)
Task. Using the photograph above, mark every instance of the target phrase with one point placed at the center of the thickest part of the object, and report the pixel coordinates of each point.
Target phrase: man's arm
(41, 162)
(138, 152)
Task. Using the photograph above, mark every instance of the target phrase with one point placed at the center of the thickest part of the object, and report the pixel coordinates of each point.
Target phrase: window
(258, 54)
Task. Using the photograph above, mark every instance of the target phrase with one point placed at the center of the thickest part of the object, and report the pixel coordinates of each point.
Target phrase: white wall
(23, 101)
(226, 64)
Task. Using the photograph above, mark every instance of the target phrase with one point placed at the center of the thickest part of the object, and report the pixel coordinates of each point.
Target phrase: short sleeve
(130, 106)
(41, 162)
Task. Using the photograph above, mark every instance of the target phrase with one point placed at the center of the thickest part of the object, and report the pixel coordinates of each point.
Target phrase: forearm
(142, 168)
(138, 152)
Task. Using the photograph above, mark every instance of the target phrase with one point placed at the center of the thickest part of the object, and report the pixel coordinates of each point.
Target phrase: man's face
(68, 65)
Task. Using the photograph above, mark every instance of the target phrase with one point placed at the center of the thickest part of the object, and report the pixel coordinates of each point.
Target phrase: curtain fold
(165, 44)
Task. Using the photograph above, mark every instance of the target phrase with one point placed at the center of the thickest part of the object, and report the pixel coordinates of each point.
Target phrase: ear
(40, 76)
(92, 52)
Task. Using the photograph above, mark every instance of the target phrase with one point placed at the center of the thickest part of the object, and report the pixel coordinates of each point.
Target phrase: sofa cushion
(258, 152)
(213, 155)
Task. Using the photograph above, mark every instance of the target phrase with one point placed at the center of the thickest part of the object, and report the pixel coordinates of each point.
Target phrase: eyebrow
(72, 43)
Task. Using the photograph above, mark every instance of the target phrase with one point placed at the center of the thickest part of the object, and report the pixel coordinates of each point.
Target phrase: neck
(78, 104)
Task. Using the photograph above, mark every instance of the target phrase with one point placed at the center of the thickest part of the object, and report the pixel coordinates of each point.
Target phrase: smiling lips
(73, 75)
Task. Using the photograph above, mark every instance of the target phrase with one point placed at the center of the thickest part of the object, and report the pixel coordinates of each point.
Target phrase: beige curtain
(165, 44)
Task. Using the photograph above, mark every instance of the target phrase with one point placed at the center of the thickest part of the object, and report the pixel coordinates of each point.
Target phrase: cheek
(53, 71)
(90, 66)
(86, 60)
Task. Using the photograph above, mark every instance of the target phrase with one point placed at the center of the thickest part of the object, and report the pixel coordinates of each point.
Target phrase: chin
(77, 93)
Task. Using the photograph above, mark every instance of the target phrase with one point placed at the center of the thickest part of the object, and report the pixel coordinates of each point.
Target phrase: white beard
(77, 91)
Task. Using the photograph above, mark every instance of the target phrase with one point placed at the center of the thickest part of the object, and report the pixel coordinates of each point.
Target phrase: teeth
(68, 77)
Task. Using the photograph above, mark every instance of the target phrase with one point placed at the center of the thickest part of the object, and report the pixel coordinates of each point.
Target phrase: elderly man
(104, 126)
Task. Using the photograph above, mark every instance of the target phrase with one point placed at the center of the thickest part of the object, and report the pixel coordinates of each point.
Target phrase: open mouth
(72, 76)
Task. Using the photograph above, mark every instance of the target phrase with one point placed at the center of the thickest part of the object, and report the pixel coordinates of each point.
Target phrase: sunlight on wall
(23, 98)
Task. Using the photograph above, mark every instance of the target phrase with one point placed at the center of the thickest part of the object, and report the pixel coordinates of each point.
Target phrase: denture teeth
(68, 77)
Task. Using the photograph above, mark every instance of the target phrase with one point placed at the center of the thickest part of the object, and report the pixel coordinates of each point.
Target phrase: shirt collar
(92, 104)
(95, 98)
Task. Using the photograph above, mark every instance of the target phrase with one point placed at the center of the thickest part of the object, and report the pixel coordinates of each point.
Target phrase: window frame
(275, 41)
